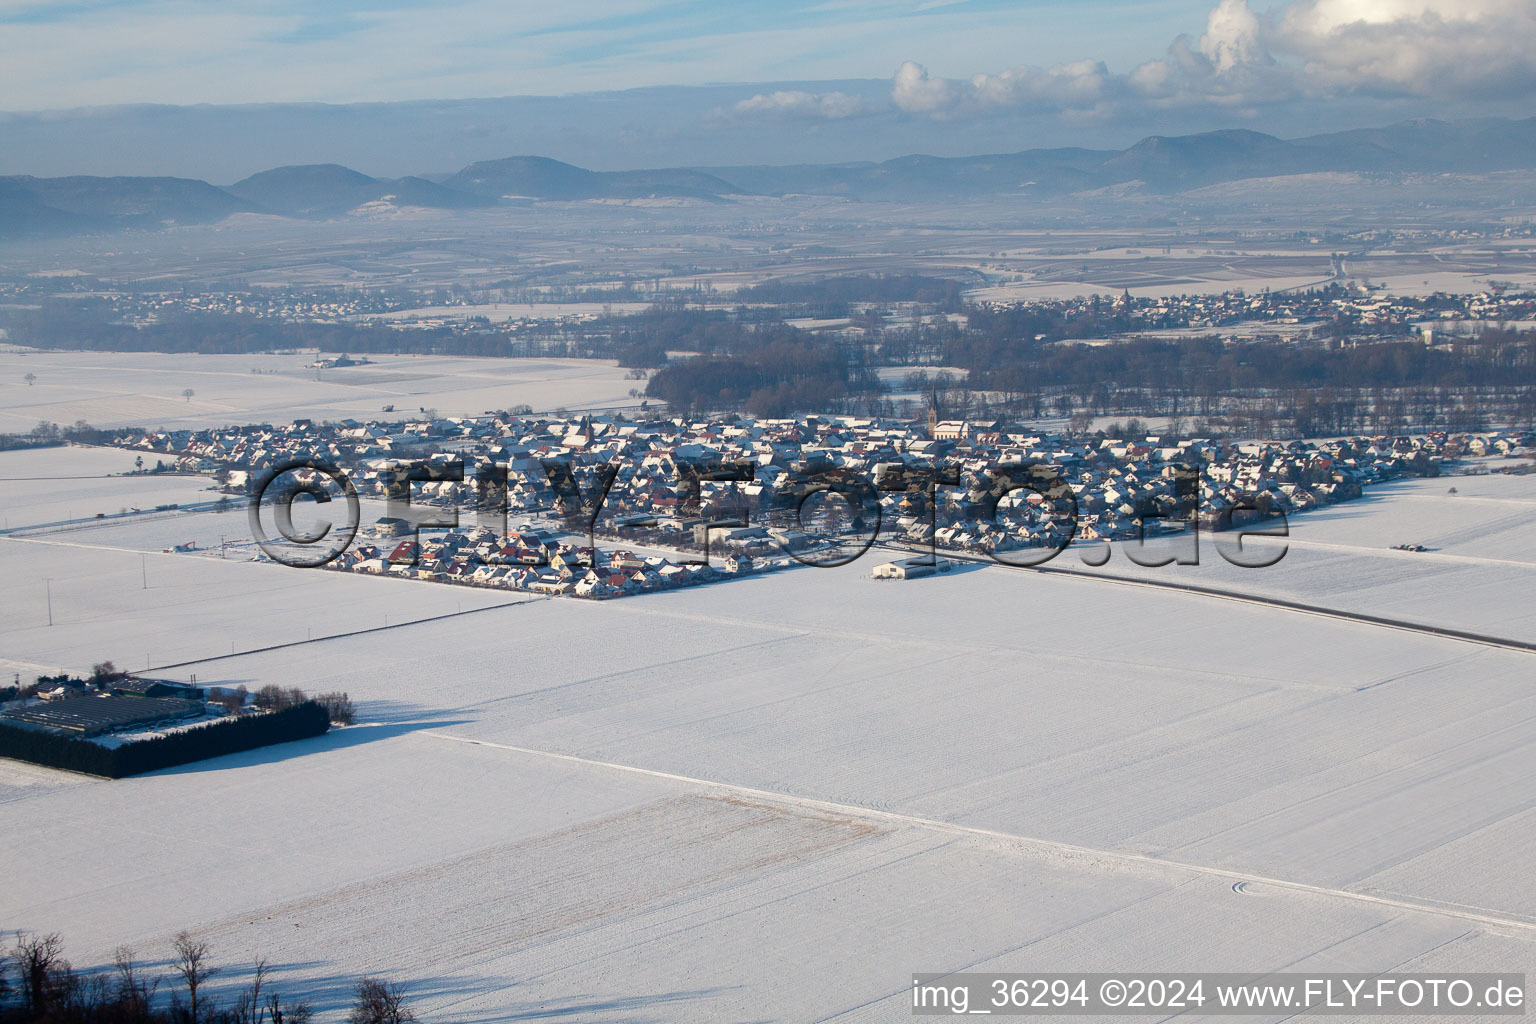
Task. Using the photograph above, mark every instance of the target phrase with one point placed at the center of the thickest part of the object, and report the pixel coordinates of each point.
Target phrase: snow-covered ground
(56, 485)
(777, 798)
(110, 389)
(1478, 573)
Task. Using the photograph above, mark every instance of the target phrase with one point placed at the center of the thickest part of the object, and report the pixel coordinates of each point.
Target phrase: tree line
(832, 296)
(1207, 364)
(777, 379)
(229, 736)
(39, 985)
(93, 326)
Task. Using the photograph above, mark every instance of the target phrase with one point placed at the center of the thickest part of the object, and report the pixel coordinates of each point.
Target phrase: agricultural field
(110, 389)
(1475, 574)
(647, 809)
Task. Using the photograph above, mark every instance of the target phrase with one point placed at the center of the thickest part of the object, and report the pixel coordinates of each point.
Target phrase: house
(592, 585)
(912, 568)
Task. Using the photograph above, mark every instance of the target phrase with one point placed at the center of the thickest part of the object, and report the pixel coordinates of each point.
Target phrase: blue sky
(174, 51)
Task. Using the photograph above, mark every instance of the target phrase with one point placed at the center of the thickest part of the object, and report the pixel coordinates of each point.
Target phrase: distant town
(664, 534)
(1329, 308)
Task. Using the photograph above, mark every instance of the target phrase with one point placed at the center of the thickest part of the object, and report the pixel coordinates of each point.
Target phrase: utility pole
(144, 570)
(48, 583)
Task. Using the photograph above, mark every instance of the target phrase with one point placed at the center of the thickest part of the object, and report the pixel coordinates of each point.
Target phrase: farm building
(911, 568)
(91, 716)
(134, 686)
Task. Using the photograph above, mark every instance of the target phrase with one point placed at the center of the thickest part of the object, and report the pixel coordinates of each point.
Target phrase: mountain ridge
(34, 207)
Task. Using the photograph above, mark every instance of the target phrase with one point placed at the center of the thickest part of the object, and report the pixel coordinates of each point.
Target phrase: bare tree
(187, 393)
(53, 993)
(30, 378)
(380, 1002)
(259, 976)
(279, 1012)
(71, 997)
(191, 964)
(248, 1008)
(132, 993)
(39, 960)
(338, 706)
(5, 976)
(276, 698)
(232, 700)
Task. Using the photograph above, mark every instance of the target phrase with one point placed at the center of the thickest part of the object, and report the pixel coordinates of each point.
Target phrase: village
(800, 491)
(1373, 311)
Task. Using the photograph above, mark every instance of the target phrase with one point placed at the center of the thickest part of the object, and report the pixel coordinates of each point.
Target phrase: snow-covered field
(777, 798)
(1478, 573)
(56, 485)
(109, 389)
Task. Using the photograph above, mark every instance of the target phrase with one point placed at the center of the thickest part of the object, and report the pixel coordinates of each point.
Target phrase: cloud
(1081, 84)
(1458, 50)
(1232, 36)
(914, 92)
(798, 104)
(1474, 48)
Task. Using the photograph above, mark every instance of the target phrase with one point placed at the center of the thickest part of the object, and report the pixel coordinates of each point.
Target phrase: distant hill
(317, 190)
(1470, 147)
(1163, 163)
(1159, 164)
(23, 213)
(1037, 172)
(1190, 161)
(537, 177)
(65, 205)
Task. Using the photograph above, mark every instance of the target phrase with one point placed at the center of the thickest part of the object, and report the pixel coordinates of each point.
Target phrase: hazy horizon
(223, 144)
(152, 88)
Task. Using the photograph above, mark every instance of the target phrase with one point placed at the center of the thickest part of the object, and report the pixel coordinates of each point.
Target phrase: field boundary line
(341, 636)
(1365, 618)
(1050, 846)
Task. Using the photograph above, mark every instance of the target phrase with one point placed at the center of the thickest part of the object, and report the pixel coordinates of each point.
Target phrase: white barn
(911, 568)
